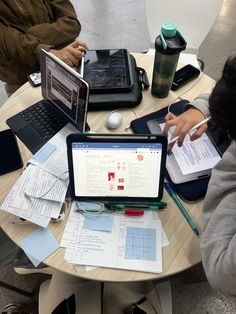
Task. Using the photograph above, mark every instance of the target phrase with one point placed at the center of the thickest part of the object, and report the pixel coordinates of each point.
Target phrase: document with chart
(133, 243)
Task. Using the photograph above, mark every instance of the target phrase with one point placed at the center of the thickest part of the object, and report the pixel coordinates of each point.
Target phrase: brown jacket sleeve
(63, 30)
(23, 46)
(18, 46)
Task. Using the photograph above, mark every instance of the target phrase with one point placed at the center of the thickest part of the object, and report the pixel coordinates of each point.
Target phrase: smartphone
(10, 157)
(154, 126)
(184, 75)
(35, 79)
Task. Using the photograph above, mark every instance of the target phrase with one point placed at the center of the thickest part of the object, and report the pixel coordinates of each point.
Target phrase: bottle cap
(168, 29)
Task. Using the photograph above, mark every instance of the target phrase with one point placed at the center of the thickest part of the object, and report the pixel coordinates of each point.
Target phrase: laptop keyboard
(43, 119)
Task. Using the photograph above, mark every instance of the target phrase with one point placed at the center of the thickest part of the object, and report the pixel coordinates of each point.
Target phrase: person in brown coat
(26, 26)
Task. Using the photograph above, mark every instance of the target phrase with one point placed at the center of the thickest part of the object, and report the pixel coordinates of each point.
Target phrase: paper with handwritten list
(39, 193)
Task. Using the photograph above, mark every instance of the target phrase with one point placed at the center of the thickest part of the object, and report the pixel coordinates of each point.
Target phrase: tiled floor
(28, 283)
(122, 24)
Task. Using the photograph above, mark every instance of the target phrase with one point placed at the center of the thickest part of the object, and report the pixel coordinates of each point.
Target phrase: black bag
(144, 306)
(67, 306)
(111, 101)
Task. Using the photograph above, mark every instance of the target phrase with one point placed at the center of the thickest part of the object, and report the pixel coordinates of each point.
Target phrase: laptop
(65, 99)
(105, 167)
(194, 160)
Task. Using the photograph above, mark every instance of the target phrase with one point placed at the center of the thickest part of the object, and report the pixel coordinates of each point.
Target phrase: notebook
(65, 99)
(116, 167)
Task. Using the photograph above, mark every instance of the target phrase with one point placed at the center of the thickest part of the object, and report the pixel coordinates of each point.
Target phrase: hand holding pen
(198, 125)
(190, 120)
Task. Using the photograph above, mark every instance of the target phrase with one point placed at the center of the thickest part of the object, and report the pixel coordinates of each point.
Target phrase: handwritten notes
(108, 249)
(38, 194)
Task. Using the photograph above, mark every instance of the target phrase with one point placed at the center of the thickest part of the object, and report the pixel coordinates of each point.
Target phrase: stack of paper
(40, 191)
(36, 196)
(133, 243)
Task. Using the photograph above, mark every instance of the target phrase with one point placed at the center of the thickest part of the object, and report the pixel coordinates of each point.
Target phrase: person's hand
(183, 123)
(72, 53)
(82, 46)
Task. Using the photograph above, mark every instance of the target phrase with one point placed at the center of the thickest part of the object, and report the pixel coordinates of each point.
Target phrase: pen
(160, 204)
(177, 201)
(127, 206)
(192, 129)
(134, 212)
(151, 205)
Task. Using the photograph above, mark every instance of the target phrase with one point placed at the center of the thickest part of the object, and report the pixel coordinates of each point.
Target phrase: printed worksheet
(195, 156)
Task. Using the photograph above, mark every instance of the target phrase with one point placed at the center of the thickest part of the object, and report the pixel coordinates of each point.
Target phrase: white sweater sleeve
(201, 103)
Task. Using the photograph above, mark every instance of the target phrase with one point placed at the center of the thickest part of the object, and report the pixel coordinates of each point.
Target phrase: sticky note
(44, 153)
(140, 244)
(39, 244)
(98, 222)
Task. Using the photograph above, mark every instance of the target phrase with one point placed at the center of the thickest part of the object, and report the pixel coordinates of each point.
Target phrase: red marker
(134, 212)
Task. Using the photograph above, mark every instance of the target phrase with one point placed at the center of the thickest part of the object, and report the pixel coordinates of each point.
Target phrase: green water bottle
(168, 46)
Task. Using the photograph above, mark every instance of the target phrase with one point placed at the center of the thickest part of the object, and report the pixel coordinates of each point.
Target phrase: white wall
(193, 18)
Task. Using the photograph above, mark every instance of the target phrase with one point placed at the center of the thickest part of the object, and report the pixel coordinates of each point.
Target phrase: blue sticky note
(98, 222)
(140, 244)
(39, 244)
(34, 261)
(44, 153)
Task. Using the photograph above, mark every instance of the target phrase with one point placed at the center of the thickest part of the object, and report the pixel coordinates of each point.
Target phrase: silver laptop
(65, 99)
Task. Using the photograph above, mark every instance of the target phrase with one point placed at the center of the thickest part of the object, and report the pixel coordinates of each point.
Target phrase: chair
(194, 20)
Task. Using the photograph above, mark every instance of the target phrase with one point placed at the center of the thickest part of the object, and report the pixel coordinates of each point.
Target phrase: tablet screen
(117, 167)
(108, 70)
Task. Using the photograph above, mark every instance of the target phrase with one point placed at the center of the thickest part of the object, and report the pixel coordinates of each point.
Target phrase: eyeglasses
(95, 208)
(92, 208)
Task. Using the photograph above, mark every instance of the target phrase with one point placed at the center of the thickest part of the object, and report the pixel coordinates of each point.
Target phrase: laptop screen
(118, 168)
(65, 88)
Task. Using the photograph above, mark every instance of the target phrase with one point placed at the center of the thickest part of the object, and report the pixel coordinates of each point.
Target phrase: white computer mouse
(114, 120)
